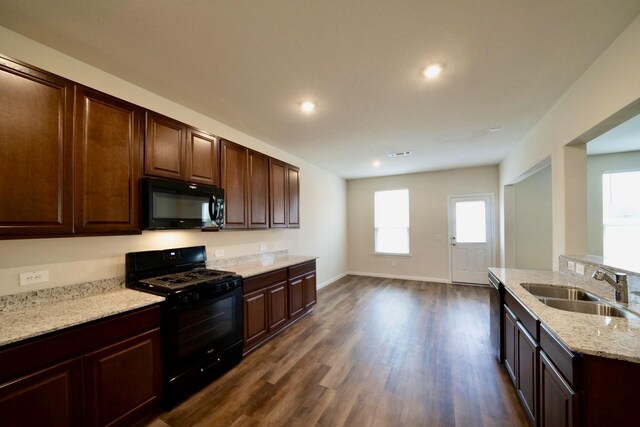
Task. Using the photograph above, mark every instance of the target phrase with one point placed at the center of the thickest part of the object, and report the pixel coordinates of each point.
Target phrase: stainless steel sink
(587, 307)
(558, 292)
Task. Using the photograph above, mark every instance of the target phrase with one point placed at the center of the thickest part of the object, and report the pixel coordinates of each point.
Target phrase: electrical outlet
(580, 269)
(219, 253)
(571, 266)
(262, 247)
(32, 277)
(394, 263)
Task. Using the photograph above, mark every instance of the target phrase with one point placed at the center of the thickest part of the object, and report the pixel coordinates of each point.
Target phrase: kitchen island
(568, 368)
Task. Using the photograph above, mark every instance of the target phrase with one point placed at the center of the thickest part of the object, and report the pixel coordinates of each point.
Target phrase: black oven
(202, 337)
(202, 321)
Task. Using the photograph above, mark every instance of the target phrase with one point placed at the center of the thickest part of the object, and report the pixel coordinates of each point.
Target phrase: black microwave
(170, 204)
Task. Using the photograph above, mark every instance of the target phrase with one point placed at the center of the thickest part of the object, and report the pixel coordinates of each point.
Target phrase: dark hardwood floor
(375, 352)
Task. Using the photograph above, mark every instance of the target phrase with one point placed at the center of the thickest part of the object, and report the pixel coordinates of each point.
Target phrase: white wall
(79, 259)
(609, 84)
(596, 165)
(428, 217)
(533, 238)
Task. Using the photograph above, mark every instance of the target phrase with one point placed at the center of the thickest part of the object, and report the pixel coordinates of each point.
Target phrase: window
(621, 214)
(391, 211)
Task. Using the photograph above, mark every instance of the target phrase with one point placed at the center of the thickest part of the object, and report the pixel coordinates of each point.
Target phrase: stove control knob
(196, 296)
(226, 287)
(184, 299)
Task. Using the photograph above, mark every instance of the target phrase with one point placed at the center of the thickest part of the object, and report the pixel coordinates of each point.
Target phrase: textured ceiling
(250, 63)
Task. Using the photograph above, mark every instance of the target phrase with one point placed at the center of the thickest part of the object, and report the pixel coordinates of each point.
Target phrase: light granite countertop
(263, 265)
(611, 337)
(31, 314)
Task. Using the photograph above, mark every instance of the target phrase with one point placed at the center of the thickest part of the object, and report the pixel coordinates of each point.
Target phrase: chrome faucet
(619, 283)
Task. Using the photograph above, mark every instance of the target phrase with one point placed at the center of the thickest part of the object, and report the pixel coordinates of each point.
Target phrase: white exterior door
(471, 238)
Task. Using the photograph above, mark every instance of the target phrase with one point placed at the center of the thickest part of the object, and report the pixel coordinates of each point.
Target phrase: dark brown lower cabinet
(296, 292)
(309, 286)
(119, 380)
(274, 300)
(255, 318)
(558, 401)
(510, 337)
(526, 372)
(105, 373)
(49, 397)
(277, 303)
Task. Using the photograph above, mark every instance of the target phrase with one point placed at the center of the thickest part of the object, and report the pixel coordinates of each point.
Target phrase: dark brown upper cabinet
(164, 147)
(36, 187)
(203, 158)
(107, 145)
(278, 188)
(235, 184)
(258, 190)
(285, 194)
(174, 150)
(293, 197)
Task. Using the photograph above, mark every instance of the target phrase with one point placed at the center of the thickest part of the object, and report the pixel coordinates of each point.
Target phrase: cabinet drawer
(527, 318)
(300, 269)
(565, 360)
(261, 281)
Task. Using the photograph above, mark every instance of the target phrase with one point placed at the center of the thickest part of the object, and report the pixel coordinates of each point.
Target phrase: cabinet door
(559, 406)
(309, 289)
(203, 158)
(258, 190)
(277, 295)
(36, 188)
(51, 397)
(296, 300)
(526, 371)
(234, 182)
(278, 196)
(255, 318)
(107, 148)
(123, 380)
(510, 337)
(164, 147)
(293, 197)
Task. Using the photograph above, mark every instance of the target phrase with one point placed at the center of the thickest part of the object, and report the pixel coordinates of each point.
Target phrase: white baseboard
(330, 281)
(400, 277)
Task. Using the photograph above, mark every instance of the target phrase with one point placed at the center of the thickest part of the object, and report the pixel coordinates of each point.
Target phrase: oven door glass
(203, 329)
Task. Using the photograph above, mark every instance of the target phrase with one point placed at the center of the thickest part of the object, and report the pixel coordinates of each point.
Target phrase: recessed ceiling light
(375, 163)
(308, 106)
(432, 71)
(400, 154)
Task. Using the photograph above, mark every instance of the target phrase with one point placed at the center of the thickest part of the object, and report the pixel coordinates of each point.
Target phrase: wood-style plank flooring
(375, 352)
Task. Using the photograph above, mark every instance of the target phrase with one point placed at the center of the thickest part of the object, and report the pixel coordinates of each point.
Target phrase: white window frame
(612, 221)
(408, 226)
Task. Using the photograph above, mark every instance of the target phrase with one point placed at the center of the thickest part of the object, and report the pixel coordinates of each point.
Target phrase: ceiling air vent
(400, 154)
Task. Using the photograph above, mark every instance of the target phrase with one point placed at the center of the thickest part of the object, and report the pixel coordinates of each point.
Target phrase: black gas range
(202, 321)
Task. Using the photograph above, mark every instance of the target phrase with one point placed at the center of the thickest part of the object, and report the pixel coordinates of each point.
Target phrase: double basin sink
(575, 300)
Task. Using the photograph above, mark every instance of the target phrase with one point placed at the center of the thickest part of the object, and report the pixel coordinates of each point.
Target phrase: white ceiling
(250, 63)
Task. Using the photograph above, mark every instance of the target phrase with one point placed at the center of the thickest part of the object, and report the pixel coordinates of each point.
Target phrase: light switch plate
(263, 247)
(571, 266)
(219, 253)
(438, 237)
(580, 269)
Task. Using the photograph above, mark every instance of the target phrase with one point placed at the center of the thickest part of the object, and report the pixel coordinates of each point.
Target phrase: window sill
(392, 254)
